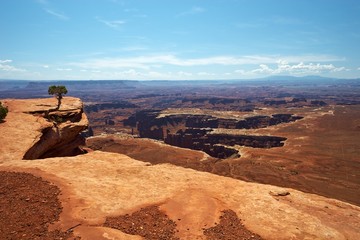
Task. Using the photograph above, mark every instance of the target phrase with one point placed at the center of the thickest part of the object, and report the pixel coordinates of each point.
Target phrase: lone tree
(3, 112)
(58, 91)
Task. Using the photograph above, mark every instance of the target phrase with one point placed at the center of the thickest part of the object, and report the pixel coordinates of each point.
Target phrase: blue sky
(178, 39)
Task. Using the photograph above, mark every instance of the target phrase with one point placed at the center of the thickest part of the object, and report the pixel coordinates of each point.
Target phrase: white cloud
(5, 61)
(56, 14)
(185, 74)
(146, 62)
(340, 69)
(240, 71)
(134, 74)
(263, 69)
(299, 68)
(310, 58)
(111, 23)
(64, 69)
(158, 66)
(4, 66)
(358, 68)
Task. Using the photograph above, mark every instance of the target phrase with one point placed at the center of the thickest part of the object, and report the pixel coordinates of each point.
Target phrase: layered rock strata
(194, 131)
(57, 132)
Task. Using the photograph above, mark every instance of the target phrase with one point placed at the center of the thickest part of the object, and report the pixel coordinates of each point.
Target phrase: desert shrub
(58, 91)
(3, 111)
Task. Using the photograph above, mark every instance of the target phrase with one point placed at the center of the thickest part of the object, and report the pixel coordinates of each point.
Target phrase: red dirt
(152, 224)
(230, 228)
(148, 222)
(28, 205)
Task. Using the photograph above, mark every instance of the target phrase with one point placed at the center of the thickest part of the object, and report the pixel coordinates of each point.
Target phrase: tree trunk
(59, 102)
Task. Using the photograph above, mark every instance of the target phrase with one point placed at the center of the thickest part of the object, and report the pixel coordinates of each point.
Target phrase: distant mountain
(7, 84)
(298, 78)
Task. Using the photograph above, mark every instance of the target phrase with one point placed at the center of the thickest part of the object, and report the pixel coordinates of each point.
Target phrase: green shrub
(58, 91)
(3, 111)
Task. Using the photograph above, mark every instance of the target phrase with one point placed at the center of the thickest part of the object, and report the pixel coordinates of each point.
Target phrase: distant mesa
(109, 105)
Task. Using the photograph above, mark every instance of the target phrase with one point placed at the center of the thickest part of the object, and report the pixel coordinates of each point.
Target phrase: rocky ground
(153, 224)
(28, 206)
(148, 222)
(229, 228)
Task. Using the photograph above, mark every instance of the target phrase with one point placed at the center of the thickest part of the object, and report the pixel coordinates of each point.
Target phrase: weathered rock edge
(59, 131)
(62, 138)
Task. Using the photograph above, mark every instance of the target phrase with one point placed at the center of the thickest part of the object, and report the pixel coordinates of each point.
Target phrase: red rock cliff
(57, 132)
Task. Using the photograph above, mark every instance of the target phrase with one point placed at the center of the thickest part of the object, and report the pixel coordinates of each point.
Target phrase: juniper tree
(58, 91)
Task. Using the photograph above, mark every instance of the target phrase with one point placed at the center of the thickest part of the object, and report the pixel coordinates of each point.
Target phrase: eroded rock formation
(195, 131)
(56, 132)
(220, 145)
(62, 136)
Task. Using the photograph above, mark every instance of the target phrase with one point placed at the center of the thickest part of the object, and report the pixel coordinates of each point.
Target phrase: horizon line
(281, 77)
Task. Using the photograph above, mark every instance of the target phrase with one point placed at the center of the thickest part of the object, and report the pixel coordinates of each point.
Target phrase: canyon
(195, 131)
(98, 185)
(183, 161)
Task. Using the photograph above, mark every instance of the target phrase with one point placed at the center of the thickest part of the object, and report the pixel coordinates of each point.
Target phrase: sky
(178, 39)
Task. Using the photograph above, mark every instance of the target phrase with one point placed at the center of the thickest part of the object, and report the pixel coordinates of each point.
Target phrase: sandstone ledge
(109, 184)
(34, 129)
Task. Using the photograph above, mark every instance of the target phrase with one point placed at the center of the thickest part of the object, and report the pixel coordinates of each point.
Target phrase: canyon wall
(62, 137)
(195, 131)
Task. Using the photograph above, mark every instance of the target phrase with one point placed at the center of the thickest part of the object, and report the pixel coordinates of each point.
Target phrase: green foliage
(58, 91)
(3, 111)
